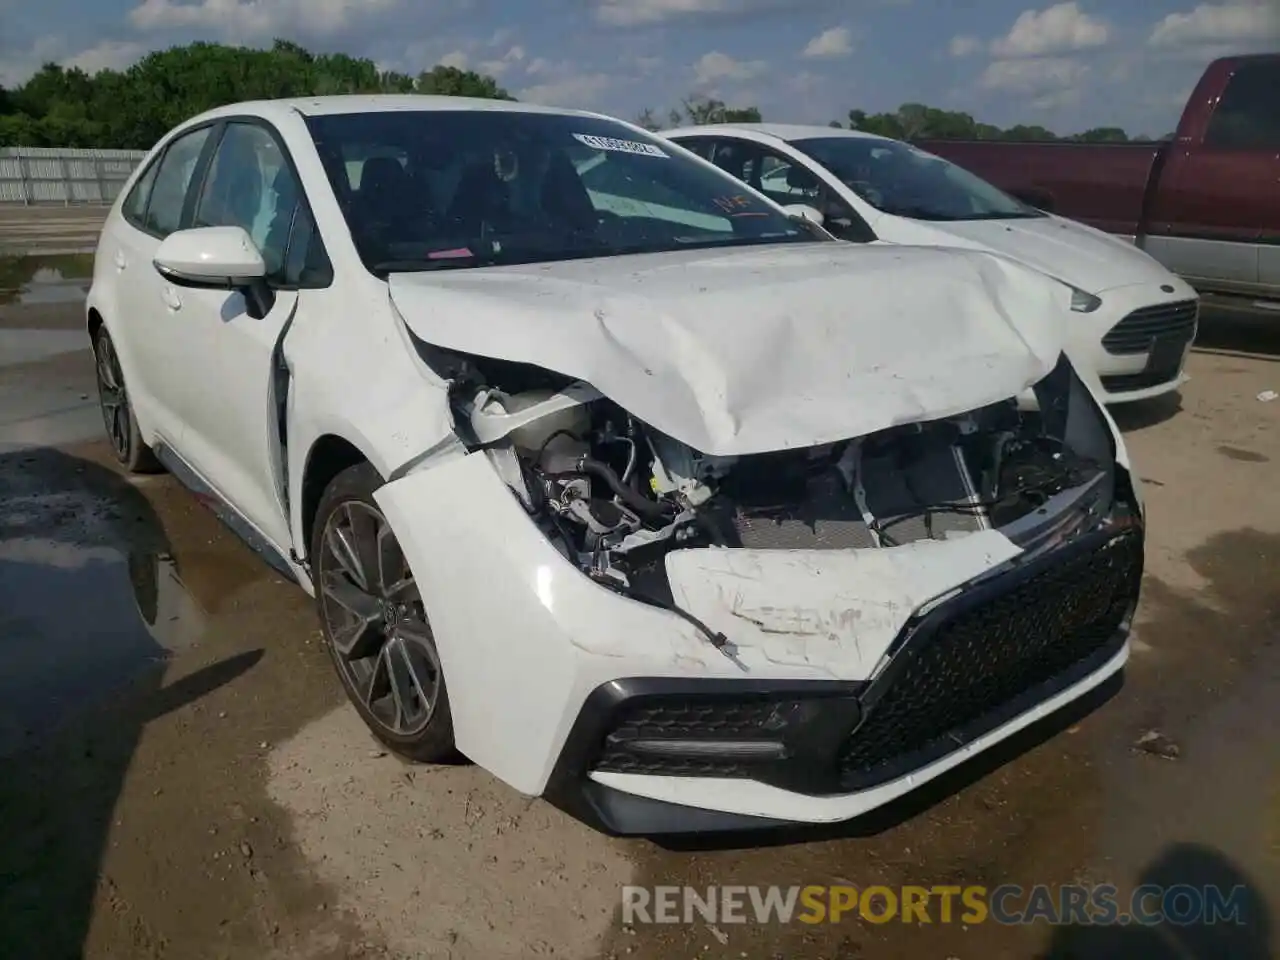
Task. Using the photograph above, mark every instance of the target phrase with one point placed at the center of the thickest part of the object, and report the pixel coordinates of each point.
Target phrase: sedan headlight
(1082, 302)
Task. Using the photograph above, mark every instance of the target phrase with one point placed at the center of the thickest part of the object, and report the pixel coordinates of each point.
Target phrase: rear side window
(135, 205)
(169, 193)
(1248, 116)
(699, 145)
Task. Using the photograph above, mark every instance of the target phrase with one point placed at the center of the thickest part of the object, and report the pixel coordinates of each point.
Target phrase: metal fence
(31, 175)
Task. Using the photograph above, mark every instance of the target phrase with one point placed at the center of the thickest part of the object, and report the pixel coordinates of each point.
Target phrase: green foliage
(696, 110)
(915, 121)
(132, 109)
(911, 121)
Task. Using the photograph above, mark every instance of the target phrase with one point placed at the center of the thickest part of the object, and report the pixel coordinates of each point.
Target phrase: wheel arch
(328, 456)
(93, 323)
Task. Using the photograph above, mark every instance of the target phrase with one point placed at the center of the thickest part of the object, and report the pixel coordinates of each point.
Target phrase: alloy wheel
(375, 621)
(112, 398)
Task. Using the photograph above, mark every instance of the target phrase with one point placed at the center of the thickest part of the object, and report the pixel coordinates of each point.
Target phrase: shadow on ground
(1241, 931)
(82, 616)
(1236, 333)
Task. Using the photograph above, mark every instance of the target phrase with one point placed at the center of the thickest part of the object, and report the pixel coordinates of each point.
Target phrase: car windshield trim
(425, 190)
(386, 268)
(900, 179)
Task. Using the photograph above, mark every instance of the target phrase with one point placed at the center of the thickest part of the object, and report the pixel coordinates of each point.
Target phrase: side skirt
(224, 511)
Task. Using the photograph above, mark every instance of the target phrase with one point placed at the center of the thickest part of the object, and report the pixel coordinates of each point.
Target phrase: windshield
(429, 190)
(903, 180)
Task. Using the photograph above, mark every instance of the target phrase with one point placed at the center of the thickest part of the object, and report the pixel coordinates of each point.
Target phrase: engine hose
(632, 498)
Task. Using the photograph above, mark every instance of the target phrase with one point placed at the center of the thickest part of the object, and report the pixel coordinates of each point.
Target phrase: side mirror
(802, 211)
(217, 258)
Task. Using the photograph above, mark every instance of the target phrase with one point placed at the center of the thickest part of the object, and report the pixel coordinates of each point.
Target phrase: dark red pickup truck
(1206, 204)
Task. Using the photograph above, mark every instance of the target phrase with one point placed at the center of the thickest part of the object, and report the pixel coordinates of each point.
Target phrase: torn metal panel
(741, 351)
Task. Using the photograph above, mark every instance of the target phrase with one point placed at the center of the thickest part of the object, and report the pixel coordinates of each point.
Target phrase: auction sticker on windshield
(619, 146)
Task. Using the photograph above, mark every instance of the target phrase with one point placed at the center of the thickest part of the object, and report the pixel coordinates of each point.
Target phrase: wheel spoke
(376, 688)
(392, 569)
(358, 639)
(342, 546)
(404, 685)
(106, 365)
(350, 597)
(366, 531)
(120, 428)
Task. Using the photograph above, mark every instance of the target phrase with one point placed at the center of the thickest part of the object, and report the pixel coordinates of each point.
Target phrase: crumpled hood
(1072, 252)
(749, 350)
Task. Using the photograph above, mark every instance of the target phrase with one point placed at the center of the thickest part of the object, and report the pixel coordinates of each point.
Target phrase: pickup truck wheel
(117, 410)
(375, 625)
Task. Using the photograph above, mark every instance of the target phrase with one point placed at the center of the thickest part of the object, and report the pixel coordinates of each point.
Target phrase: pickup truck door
(1217, 204)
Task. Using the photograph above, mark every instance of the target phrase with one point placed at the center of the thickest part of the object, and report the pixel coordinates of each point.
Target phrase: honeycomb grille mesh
(986, 656)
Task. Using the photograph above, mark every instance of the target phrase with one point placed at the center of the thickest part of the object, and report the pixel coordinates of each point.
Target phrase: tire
(386, 658)
(118, 419)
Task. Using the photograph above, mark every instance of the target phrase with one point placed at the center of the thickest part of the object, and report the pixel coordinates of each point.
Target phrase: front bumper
(1137, 342)
(944, 650)
(665, 755)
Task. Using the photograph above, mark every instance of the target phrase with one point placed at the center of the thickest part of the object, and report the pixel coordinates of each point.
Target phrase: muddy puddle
(45, 280)
(89, 595)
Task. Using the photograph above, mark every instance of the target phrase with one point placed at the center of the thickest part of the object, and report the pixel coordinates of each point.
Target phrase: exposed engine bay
(616, 495)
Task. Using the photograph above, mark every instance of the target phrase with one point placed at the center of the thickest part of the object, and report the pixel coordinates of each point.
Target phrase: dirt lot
(180, 777)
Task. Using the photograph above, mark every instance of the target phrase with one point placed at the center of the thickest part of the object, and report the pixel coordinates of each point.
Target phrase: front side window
(250, 185)
(1248, 116)
(426, 190)
(169, 193)
(902, 180)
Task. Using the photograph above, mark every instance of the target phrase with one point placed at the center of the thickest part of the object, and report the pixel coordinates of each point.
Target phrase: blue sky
(1067, 65)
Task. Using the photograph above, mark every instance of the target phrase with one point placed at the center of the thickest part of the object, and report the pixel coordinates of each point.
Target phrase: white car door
(154, 347)
(232, 437)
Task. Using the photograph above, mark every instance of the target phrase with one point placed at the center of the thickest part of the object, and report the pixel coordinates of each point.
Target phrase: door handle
(171, 298)
(121, 260)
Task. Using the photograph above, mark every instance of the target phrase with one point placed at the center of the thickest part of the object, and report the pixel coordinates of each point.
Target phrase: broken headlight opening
(616, 496)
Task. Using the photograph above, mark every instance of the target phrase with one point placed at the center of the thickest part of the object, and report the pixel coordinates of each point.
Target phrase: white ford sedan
(604, 471)
(1133, 321)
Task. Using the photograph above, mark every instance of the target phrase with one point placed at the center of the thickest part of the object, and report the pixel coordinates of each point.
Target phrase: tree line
(911, 121)
(133, 108)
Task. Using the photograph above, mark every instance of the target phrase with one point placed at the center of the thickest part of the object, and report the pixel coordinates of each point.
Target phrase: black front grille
(1138, 332)
(974, 670)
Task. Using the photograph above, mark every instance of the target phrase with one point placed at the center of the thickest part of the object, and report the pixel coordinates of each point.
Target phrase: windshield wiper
(384, 267)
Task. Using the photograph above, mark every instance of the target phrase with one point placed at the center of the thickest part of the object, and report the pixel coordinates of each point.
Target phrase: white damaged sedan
(640, 494)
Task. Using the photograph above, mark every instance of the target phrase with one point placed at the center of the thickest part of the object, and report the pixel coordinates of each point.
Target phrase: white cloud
(496, 68)
(1227, 23)
(581, 90)
(457, 59)
(16, 66)
(1062, 28)
(715, 66)
(1033, 77)
(836, 42)
(629, 13)
(964, 46)
(632, 13)
(107, 55)
(254, 17)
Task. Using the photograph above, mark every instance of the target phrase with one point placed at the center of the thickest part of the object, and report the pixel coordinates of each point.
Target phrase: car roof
(380, 103)
(780, 131)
